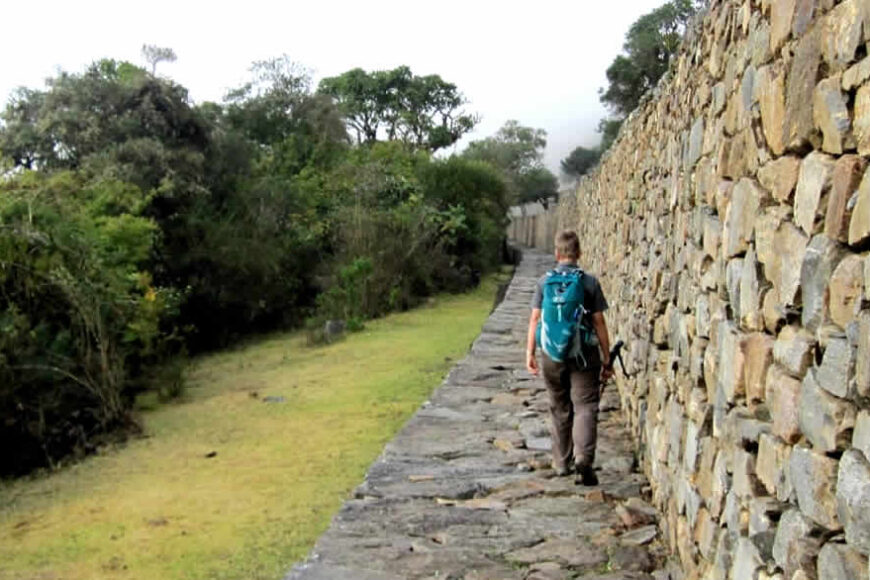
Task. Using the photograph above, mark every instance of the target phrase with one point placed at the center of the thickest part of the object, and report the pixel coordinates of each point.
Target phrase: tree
(649, 45)
(114, 117)
(156, 54)
(580, 161)
(609, 129)
(280, 115)
(517, 151)
(536, 184)
(514, 148)
(424, 112)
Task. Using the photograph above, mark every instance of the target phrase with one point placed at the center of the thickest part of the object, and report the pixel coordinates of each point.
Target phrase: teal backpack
(563, 329)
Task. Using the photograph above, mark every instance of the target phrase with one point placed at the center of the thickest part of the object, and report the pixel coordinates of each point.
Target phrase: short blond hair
(568, 244)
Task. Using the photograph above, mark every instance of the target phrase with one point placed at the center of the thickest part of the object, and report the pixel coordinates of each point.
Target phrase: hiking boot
(561, 471)
(586, 475)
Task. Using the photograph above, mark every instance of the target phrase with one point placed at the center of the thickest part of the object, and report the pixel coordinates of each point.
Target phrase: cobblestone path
(465, 491)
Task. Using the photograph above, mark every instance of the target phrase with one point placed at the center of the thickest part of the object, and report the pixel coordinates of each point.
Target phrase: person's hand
(606, 372)
(531, 363)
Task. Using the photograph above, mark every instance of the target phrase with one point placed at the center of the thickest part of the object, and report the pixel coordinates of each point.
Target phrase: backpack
(563, 329)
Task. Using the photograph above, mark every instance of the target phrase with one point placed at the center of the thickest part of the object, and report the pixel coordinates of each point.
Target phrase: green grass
(158, 508)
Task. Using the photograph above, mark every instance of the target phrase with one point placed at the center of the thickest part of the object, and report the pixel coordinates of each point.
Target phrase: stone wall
(533, 225)
(730, 226)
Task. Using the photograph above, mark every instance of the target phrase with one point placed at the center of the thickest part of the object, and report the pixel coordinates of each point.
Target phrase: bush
(78, 313)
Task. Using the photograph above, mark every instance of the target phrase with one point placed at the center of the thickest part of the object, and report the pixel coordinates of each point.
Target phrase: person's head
(567, 246)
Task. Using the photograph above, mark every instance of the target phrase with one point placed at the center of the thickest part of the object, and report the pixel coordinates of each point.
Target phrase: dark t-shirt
(593, 301)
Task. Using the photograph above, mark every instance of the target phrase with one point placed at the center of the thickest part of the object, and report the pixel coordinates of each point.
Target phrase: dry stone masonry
(730, 226)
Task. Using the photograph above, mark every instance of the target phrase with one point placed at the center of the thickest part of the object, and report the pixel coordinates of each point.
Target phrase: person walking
(567, 320)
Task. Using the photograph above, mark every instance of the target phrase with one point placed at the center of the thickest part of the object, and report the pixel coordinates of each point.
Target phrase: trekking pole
(616, 354)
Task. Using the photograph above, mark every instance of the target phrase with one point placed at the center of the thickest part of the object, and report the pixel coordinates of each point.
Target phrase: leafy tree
(517, 151)
(154, 55)
(535, 184)
(580, 161)
(609, 129)
(649, 45)
(115, 117)
(278, 113)
(514, 148)
(425, 112)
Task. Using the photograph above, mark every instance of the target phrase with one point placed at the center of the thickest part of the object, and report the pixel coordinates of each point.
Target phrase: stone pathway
(465, 491)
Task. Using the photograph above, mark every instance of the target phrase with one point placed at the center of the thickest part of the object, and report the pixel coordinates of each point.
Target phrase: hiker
(569, 305)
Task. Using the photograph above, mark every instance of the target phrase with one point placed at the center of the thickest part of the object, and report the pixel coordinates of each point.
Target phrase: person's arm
(600, 327)
(531, 361)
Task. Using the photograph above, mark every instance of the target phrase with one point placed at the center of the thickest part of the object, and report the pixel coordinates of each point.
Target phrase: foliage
(649, 45)
(138, 226)
(406, 226)
(79, 312)
(517, 151)
(423, 111)
(580, 161)
(536, 184)
(115, 118)
(609, 129)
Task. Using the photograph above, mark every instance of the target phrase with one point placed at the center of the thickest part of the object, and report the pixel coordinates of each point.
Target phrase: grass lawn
(158, 508)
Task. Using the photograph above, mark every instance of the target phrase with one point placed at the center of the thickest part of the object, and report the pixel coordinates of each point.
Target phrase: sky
(539, 62)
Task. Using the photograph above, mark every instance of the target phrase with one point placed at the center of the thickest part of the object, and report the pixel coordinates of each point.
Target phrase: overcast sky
(540, 62)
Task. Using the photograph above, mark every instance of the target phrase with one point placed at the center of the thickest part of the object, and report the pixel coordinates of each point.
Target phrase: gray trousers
(574, 396)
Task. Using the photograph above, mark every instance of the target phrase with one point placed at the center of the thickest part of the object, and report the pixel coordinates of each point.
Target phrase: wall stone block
(780, 176)
(825, 420)
(814, 478)
(837, 370)
(781, 14)
(840, 562)
(856, 74)
(862, 356)
(758, 356)
(847, 177)
(793, 350)
(746, 483)
(799, 125)
(841, 34)
(740, 217)
(783, 398)
(747, 560)
(803, 17)
(750, 293)
(846, 290)
(814, 181)
(772, 466)
(789, 244)
(859, 224)
(821, 257)
(793, 548)
(867, 277)
(853, 499)
(831, 115)
(731, 369)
